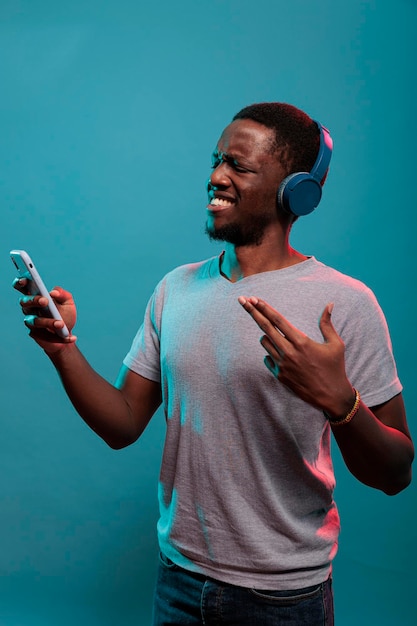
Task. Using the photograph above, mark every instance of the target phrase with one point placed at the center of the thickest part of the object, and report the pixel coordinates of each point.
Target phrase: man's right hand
(43, 329)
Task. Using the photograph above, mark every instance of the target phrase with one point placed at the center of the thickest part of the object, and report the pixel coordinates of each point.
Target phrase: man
(248, 526)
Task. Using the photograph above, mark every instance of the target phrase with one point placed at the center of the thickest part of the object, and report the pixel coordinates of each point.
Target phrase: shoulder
(330, 277)
(182, 276)
(192, 271)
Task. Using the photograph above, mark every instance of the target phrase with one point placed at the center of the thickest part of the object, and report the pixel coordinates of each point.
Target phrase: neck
(240, 262)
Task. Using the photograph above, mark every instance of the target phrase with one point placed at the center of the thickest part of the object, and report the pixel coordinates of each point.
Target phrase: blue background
(109, 112)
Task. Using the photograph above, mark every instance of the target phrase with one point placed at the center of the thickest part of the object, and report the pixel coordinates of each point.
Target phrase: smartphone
(26, 269)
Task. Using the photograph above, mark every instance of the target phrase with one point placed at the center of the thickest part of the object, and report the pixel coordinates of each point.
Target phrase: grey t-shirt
(246, 483)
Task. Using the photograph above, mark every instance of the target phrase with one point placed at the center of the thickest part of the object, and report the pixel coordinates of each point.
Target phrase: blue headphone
(300, 193)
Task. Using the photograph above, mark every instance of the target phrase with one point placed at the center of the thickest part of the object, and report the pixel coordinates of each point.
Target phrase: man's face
(243, 185)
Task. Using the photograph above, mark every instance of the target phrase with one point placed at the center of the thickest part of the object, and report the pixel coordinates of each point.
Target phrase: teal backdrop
(109, 111)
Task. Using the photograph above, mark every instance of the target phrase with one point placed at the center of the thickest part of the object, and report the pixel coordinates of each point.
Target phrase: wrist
(340, 402)
(61, 352)
(346, 416)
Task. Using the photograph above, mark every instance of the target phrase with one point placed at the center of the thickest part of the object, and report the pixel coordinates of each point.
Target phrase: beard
(241, 234)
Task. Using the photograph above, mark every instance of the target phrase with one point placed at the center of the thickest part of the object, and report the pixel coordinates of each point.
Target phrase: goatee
(238, 235)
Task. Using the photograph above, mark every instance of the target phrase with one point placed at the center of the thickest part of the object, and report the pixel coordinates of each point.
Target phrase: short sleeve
(144, 355)
(370, 363)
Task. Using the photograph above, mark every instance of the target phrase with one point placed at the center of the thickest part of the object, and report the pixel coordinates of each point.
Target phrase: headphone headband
(322, 163)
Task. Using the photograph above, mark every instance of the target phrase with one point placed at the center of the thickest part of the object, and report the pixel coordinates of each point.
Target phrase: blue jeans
(183, 597)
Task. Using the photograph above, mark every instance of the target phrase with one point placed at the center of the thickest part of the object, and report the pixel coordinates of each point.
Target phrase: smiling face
(243, 185)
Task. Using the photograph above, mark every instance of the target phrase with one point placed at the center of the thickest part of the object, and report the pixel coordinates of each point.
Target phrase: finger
(29, 321)
(50, 338)
(278, 320)
(326, 326)
(249, 304)
(60, 295)
(274, 351)
(46, 323)
(275, 325)
(45, 328)
(20, 284)
(28, 302)
(272, 366)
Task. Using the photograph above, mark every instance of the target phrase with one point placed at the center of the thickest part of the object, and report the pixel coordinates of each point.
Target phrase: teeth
(221, 202)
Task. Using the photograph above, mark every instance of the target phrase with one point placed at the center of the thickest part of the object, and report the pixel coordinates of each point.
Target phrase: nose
(219, 177)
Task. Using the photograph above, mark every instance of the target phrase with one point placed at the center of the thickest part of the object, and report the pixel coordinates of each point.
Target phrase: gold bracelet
(350, 415)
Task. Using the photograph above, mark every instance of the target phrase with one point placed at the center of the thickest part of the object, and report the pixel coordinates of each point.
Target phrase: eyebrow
(224, 156)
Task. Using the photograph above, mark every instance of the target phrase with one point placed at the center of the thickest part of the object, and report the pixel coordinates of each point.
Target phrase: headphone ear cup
(299, 193)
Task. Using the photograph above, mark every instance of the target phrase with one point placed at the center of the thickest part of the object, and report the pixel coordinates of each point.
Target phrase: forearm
(376, 445)
(101, 405)
(378, 455)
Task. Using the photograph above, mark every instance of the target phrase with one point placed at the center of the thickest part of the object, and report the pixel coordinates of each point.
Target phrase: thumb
(326, 327)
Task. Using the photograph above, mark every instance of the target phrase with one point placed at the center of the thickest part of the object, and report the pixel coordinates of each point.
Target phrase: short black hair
(297, 137)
